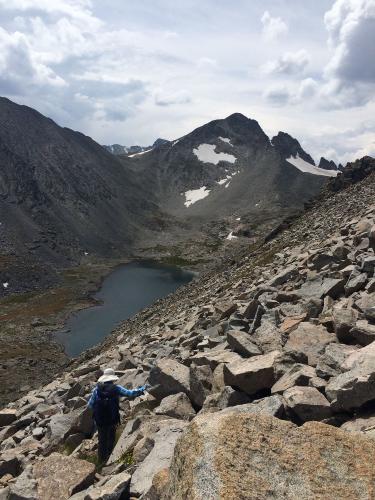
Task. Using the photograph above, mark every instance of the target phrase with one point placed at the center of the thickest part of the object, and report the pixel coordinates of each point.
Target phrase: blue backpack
(106, 407)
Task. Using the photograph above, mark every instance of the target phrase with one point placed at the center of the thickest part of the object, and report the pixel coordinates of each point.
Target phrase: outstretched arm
(130, 393)
(92, 399)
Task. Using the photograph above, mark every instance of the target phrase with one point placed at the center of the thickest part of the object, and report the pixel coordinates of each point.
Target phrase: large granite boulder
(356, 386)
(241, 343)
(176, 406)
(310, 339)
(297, 375)
(59, 476)
(159, 457)
(169, 377)
(307, 403)
(253, 374)
(241, 455)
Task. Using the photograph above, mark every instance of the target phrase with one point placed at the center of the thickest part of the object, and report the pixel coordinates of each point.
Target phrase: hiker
(104, 402)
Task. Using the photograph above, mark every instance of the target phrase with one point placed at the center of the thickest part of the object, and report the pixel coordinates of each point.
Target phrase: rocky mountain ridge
(118, 149)
(261, 379)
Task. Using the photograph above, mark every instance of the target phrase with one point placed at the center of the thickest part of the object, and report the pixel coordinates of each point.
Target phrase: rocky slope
(62, 196)
(262, 379)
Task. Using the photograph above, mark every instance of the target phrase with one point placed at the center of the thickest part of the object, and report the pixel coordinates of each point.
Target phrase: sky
(129, 72)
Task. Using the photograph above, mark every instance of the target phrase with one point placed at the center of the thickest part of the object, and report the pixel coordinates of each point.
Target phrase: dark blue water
(126, 291)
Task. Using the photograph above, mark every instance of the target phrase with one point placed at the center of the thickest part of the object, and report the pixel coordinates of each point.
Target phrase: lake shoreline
(138, 284)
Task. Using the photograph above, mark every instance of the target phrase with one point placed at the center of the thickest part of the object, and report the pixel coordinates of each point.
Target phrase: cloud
(273, 27)
(350, 73)
(170, 99)
(290, 63)
(20, 69)
(278, 95)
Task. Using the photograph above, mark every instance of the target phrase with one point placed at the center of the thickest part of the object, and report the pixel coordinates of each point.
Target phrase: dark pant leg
(111, 439)
(102, 443)
(106, 442)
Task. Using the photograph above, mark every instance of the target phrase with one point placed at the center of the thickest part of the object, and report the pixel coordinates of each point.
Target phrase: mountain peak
(288, 146)
(326, 164)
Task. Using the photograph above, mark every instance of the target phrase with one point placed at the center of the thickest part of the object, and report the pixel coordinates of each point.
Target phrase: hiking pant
(106, 438)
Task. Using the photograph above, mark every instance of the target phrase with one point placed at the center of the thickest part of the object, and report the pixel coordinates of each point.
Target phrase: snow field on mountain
(194, 195)
(225, 139)
(206, 153)
(139, 154)
(306, 167)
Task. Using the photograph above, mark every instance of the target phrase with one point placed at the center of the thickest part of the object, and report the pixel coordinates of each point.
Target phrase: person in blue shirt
(104, 402)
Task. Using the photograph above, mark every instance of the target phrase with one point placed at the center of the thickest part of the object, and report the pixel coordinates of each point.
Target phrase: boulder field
(262, 380)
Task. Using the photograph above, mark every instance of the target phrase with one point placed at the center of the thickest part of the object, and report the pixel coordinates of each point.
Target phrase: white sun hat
(108, 376)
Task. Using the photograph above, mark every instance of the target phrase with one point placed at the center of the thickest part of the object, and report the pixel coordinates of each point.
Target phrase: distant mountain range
(63, 196)
(118, 149)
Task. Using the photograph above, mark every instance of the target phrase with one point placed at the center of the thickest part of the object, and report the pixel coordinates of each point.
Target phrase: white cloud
(171, 98)
(273, 27)
(290, 63)
(20, 68)
(350, 73)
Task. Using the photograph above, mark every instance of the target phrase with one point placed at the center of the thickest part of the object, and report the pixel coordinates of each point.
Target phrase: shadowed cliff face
(60, 192)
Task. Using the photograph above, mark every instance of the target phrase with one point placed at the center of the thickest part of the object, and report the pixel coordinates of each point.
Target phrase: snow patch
(5, 285)
(238, 218)
(225, 139)
(175, 142)
(231, 236)
(206, 153)
(139, 154)
(194, 195)
(226, 180)
(306, 167)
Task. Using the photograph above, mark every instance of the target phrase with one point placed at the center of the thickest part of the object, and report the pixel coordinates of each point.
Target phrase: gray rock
(273, 406)
(169, 377)
(59, 476)
(25, 487)
(368, 264)
(363, 332)
(253, 374)
(288, 274)
(365, 301)
(201, 380)
(213, 358)
(241, 343)
(225, 398)
(143, 448)
(176, 406)
(307, 403)
(310, 339)
(370, 314)
(7, 416)
(330, 363)
(159, 458)
(269, 458)
(319, 288)
(10, 463)
(113, 488)
(297, 375)
(225, 309)
(343, 321)
(356, 386)
(356, 283)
